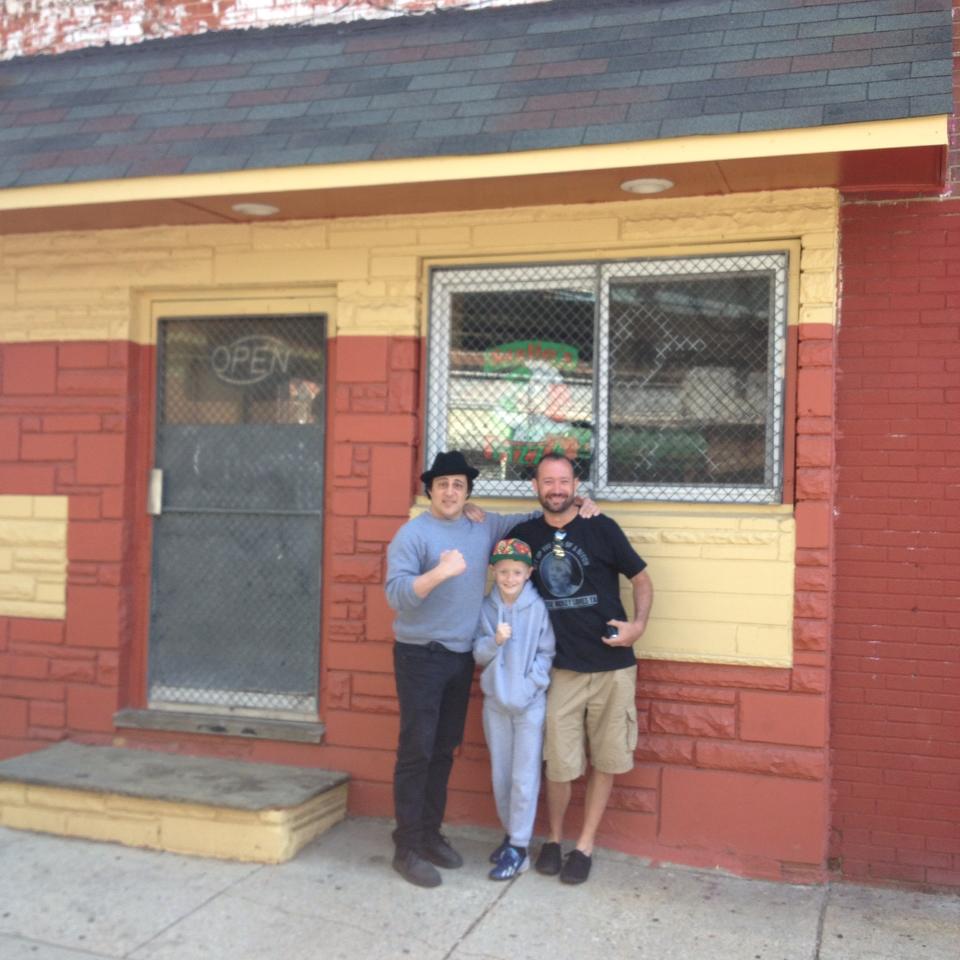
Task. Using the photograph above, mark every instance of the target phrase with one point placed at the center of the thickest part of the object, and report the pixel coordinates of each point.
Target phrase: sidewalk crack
(473, 926)
(213, 896)
(821, 920)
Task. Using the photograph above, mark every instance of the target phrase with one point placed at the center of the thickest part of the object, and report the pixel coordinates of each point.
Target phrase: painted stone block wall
(723, 747)
(748, 561)
(953, 155)
(33, 551)
(896, 663)
(65, 421)
(30, 27)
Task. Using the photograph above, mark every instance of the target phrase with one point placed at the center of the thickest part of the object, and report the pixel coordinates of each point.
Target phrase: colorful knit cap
(512, 549)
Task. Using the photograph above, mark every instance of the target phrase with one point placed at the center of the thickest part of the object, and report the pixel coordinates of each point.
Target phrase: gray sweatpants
(516, 757)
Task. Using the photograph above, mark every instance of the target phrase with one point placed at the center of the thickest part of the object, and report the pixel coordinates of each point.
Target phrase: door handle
(155, 492)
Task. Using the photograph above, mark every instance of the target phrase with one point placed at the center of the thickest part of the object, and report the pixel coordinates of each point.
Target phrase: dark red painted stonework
(896, 665)
(720, 747)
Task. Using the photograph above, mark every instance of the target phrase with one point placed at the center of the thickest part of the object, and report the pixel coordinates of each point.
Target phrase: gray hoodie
(518, 672)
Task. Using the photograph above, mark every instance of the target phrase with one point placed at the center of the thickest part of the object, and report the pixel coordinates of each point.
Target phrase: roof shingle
(456, 82)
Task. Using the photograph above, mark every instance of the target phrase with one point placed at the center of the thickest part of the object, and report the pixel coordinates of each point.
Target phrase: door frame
(149, 307)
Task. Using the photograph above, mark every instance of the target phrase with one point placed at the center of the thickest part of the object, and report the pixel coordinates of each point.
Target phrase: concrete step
(208, 807)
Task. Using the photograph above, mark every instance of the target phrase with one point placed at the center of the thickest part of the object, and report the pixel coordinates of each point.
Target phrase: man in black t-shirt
(592, 697)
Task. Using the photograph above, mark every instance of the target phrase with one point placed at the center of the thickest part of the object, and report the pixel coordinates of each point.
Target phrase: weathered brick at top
(50, 26)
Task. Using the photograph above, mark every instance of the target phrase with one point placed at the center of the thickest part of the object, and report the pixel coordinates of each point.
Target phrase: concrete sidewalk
(63, 899)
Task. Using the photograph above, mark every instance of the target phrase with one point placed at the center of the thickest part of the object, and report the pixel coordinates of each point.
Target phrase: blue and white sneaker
(497, 853)
(510, 864)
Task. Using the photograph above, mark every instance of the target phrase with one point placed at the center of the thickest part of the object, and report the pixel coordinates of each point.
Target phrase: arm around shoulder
(502, 524)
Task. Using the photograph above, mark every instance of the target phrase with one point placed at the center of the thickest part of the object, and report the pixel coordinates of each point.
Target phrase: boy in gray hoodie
(515, 646)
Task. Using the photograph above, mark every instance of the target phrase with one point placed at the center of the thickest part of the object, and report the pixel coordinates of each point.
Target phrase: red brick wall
(733, 768)
(953, 160)
(30, 27)
(896, 666)
(65, 419)
(732, 764)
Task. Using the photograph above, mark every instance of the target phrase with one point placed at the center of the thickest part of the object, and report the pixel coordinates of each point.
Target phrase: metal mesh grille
(694, 377)
(235, 616)
(662, 378)
(248, 638)
(512, 368)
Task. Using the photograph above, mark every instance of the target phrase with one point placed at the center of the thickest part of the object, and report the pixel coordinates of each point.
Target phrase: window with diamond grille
(661, 378)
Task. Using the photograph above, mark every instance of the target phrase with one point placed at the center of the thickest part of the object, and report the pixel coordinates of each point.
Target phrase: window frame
(595, 276)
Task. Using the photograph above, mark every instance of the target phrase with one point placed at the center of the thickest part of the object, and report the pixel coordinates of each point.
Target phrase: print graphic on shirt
(561, 576)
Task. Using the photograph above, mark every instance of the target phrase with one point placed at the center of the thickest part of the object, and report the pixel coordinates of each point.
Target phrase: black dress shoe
(550, 859)
(437, 850)
(414, 869)
(576, 868)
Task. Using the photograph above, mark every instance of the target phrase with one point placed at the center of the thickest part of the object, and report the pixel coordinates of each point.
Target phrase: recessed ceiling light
(255, 209)
(646, 185)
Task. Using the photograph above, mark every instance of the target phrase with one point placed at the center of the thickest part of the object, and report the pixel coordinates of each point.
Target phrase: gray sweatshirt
(448, 613)
(516, 673)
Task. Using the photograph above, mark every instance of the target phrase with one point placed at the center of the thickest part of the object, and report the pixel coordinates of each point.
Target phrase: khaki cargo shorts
(595, 709)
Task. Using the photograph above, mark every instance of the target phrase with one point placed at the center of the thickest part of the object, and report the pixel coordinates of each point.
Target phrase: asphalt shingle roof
(556, 74)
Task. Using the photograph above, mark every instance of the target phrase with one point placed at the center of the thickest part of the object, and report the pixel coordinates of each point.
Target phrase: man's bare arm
(630, 631)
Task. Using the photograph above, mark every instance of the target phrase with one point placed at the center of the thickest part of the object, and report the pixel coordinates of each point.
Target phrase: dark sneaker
(505, 842)
(437, 850)
(510, 863)
(576, 868)
(414, 869)
(550, 859)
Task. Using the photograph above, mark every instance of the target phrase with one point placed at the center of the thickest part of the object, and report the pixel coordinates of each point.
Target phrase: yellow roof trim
(839, 138)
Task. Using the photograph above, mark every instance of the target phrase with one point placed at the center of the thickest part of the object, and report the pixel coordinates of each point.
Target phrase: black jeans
(433, 687)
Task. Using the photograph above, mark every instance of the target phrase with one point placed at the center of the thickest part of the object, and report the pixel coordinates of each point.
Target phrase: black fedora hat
(449, 464)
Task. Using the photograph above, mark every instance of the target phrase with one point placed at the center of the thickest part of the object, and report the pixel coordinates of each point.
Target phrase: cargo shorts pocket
(631, 728)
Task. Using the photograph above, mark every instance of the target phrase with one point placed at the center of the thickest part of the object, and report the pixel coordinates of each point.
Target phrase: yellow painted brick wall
(723, 579)
(79, 286)
(33, 556)
(724, 576)
(266, 836)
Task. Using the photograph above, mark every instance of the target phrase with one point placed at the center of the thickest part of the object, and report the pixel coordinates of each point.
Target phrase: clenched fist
(451, 563)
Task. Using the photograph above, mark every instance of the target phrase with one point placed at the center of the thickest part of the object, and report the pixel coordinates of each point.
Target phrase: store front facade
(238, 452)
(213, 422)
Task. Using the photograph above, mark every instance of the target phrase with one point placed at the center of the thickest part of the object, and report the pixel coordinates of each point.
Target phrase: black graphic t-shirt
(576, 568)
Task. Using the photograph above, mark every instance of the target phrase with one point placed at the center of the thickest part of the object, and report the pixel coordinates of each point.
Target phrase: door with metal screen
(238, 497)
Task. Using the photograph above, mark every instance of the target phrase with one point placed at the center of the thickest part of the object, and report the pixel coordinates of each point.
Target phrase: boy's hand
(503, 634)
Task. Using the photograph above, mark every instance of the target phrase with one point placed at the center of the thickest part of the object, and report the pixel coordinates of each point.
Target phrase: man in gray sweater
(436, 574)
